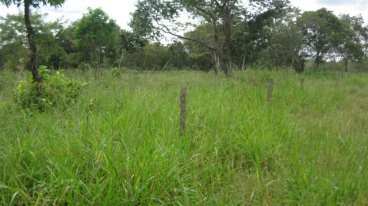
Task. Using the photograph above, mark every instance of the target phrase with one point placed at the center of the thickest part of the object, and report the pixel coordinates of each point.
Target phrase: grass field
(120, 143)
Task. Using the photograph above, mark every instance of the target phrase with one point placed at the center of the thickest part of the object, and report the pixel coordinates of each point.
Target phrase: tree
(200, 56)
(13, 41)
(178, 57)
(255, 34)
(150, 16)
(283, 46)
(28, 4)
(352, 38)
(151, 56)
(321, 30)
(131, 41)
(98, 37)
(13, 38)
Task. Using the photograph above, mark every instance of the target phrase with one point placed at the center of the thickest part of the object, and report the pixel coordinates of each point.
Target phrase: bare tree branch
(167, 30)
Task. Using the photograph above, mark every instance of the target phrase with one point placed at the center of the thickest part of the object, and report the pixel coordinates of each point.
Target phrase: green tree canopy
(352, 39)
(28, 4)
(321, 30)
(98, 37)
(14, 44)
(153, 17)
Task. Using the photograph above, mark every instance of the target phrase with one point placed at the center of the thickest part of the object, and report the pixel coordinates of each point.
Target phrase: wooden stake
(270, 84)
(302, 80)
(183, 110)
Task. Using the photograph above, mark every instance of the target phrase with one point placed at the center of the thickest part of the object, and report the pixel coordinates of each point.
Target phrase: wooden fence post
(270, 84)
(302, 81)
(183, 110)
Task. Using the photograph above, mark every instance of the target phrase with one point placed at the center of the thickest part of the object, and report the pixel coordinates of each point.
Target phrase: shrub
(56, 90)
(116, 72)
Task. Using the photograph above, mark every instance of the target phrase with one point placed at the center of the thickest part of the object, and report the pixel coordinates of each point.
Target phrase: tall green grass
(120, 144)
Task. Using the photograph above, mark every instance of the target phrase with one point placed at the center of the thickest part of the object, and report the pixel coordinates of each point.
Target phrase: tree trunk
(32, 64)
(216, 62)
(227, 29)
(318, 59)
(216, 51)
(243, 67)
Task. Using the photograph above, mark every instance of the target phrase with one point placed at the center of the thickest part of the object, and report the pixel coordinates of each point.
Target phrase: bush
(116, 72)
(56, 90)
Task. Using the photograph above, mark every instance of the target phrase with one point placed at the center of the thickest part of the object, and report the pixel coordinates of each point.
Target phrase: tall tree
(283, 44)
(151, 17)
(27, 5)
(14, 44)
(253, 33)
(352, 39)
(201, 57)
(320, 29)
(98, 36)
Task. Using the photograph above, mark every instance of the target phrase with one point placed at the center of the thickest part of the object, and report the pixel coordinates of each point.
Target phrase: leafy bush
(116, 72)
(56, 90)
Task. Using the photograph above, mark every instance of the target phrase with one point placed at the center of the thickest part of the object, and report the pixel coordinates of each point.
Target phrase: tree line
(220, 35)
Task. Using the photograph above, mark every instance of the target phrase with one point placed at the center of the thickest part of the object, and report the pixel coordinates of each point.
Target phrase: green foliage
(200, 57)
(156, 56)
(285, 44)
(98, 37)
(32, 62)
(351, 39)
(321, 30)
(132, 41)
(264, 33)
(219, 20)
(14, 48)
(56, 91)
(116, 72)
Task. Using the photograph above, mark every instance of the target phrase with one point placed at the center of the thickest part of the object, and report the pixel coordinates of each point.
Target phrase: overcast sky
(120, 9)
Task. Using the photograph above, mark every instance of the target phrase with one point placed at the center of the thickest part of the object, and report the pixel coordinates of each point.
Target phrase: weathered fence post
(270, 84)
(302, 81)
(183, 110)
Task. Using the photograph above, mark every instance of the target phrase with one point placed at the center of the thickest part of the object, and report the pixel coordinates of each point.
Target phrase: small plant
(116, 72)
(56, 90)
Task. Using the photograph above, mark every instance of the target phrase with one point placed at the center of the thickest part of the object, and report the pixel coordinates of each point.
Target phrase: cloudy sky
(120, 9)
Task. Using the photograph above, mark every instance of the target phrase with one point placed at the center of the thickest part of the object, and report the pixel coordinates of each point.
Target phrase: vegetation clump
(56, 90)
(116, 72)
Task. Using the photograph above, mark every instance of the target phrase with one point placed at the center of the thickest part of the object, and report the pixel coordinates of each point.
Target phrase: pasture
(119, 144)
